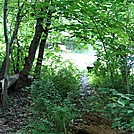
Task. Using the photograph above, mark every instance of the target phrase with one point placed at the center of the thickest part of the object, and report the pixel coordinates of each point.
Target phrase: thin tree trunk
(21, 82)
(40, 57)
(42, 46)
(15, 32)
(4, 90)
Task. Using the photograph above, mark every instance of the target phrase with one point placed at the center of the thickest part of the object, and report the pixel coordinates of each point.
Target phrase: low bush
(114, 105)
(53, 96)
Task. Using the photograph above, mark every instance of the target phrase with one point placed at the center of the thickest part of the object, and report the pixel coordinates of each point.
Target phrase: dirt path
(17, 115)
(85, 89)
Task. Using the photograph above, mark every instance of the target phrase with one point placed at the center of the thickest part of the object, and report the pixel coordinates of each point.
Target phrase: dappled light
(67, 67)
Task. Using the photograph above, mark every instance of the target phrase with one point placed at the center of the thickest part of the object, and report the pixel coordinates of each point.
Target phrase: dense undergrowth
(57, 101)
(116, 103)
(111, 104)
(53, 95)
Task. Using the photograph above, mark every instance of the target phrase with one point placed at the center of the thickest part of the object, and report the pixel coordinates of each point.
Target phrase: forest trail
(91, 123)
(17, 115)
(85, 88)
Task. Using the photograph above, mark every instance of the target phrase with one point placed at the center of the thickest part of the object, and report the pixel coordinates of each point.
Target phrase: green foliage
(71, 44)
(112, 77)
(107, 26)
(55, 118)
(114, 45)
(114, 105)
(52, 96)
(2, 53)
(64, 75)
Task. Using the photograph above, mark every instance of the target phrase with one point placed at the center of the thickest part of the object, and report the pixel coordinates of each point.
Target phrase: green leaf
(118, 118)
(121, 102)
(130, 111)
(126, 97)
(132, 105)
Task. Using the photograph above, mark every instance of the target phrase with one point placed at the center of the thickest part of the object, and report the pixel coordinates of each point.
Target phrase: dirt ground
(17, 115)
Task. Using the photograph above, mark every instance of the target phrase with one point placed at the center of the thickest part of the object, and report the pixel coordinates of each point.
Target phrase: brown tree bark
(6, 71)
(42, 45)
(21, 82)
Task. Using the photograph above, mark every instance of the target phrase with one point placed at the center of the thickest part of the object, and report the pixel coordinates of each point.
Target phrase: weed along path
(17, 116)
(91, 123)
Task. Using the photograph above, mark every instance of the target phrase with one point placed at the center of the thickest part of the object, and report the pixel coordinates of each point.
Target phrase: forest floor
(18, 115)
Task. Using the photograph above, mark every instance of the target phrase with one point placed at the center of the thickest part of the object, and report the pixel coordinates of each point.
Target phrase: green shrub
(64, 76)
(53, 113)
(53, 96)
(114, 105)
(65, 81)
(111, 73)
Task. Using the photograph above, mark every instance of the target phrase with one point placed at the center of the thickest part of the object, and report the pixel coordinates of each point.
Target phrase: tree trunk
(42, 46)
(93, 124)
(21, 82)
(40, 57)
(4, 90)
